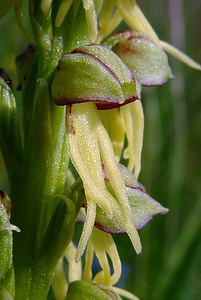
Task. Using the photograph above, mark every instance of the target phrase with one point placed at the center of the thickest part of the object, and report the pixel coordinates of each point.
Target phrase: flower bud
(147, 61)
(93, 73)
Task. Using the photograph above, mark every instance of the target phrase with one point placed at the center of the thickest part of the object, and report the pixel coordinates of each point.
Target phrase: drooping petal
(133, 117)
(111, 166)
(85, 154)
(113, 123)
(104, 245)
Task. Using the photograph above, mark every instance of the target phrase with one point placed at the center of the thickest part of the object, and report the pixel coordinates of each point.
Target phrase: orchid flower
(99, 78)
(89, 144)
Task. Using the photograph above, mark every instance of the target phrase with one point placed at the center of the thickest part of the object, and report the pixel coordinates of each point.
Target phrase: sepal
(147, 61)
(93, 74)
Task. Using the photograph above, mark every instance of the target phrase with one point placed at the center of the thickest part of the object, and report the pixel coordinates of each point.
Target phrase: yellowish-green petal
(103, 243)
(113, 123)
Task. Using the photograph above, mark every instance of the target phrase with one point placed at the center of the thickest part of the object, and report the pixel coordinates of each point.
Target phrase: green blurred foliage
(169, 266)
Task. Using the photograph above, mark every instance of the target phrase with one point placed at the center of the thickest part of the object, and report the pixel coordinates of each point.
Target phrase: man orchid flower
(90, 147)
(86, 79)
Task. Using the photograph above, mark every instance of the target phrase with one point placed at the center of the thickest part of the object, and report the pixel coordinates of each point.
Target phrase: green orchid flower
(96, 77)
(89, 143)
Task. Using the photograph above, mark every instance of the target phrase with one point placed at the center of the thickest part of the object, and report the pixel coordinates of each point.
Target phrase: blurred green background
(170, 264)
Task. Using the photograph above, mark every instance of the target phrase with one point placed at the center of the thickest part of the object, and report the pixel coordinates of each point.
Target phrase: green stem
(32, 192)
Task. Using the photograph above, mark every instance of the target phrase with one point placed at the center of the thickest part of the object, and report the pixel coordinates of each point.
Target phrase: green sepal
(86, 291)
(93, 73)
(147, 61)
(10, 138)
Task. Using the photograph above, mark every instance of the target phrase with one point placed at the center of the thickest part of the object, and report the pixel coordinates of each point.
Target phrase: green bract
(85, 291)
(93, 73)
(147, 61)
(9, 128)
